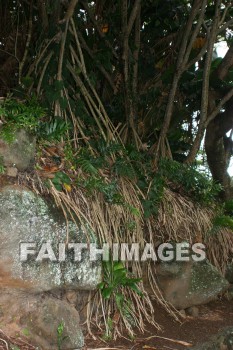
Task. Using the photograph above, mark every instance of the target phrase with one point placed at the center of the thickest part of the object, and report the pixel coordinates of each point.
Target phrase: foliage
(115, 280)
(96, 80)
(109, 330)
(116, 277)
(31, 116)
(225, 216)
(53, 129)
(60, 335)
(61, 179)
(137, 166)
(223, 221)
(228, 207)
(19, 114)
(154, 196)
(195, 184)
(2, 167)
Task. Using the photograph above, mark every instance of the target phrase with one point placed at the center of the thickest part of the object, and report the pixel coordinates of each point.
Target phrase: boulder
(21, 152)
(26, 217)
(37, 317)
(222, 341)
(36, 297)
(188, 283)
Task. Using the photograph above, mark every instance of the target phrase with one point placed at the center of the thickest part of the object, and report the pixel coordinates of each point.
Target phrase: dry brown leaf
(50, 169)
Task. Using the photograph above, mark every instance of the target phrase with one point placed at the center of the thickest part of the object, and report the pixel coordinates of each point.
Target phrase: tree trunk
(219, 149)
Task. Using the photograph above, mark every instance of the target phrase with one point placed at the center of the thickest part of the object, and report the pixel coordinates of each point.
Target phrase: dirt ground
(212, 318)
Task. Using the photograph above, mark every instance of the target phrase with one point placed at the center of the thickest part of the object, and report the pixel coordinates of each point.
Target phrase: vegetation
(115, 279)
(2, 168)
(142, 72)
(225, 217)
(60, 335)
(129, 101)
(16, 115)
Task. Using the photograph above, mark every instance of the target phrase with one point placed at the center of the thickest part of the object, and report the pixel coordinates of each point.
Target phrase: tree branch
(225, 26)
(227, 62)
(70, 10)
(43, 13)
(95, 23)
(136, 52)
(21, 64)
(62, 50)
(225, 13)
(180, 66)
(132, 17)
(205, 87)
(218, 108)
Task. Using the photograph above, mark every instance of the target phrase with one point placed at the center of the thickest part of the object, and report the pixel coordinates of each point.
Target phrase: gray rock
(26, 217)
(222, 341)
(20, 153)
(80, 300)
(192, 311)
(186, 284)
(38, 316)
(12, 172)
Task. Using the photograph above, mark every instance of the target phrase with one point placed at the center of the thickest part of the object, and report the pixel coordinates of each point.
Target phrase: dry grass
(178, 220)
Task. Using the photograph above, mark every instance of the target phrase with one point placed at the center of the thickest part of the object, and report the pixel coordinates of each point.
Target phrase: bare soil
(212, 318)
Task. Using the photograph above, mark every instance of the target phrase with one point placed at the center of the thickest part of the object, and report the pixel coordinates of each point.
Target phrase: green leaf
(87, 166)
(25, 332)
(224, 221)
(101, 285)
(118, 265)
(229, 207)
(119, 300)
(134, 210)
(58, 187)
(107, 292)
(59, 85)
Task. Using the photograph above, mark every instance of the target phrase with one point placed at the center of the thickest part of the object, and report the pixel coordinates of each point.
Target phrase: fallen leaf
(50, 169)
(67, 187)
